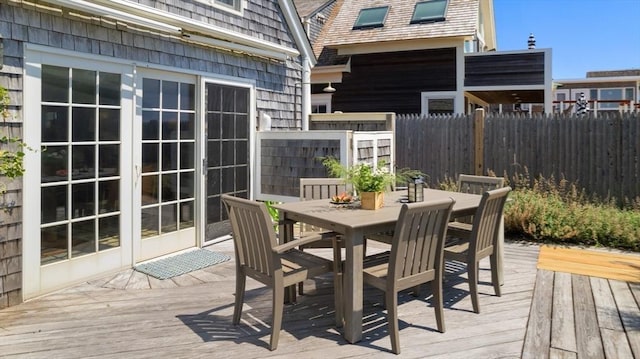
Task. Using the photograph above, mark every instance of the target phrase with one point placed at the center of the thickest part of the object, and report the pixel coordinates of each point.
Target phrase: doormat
(173, 266)
(610, 265)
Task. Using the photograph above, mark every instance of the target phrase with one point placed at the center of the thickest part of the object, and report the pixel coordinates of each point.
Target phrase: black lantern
(415, 189)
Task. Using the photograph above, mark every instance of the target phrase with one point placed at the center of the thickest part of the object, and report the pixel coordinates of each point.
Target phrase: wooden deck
(131, 315)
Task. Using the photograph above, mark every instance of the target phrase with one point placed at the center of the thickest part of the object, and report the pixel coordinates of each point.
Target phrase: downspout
(306, 93)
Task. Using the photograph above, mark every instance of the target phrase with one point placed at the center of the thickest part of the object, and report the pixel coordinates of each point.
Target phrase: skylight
(371, 17)
(429, 11)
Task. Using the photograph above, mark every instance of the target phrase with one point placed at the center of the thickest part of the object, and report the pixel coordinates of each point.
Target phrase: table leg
(353, 298)
(285, 230)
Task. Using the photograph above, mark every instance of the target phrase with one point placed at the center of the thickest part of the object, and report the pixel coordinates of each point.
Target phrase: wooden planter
(371, 200)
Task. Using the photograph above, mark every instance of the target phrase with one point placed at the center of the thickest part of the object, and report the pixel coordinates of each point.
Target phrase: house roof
(307, 8)
(461, 20)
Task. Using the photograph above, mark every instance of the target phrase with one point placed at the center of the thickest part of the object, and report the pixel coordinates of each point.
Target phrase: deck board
(133, 316)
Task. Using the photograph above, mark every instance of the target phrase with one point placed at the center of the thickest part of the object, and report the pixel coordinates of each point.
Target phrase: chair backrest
(477, 185)
(322, 188)
(486, 222)
(253, 235)
(418, 242)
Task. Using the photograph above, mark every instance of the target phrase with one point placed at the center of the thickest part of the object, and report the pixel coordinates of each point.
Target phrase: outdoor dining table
(354, 224)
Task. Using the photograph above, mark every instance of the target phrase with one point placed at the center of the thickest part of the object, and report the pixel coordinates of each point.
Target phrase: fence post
(478, 140)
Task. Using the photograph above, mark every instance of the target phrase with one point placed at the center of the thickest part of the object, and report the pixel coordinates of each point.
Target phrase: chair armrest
(279, 249)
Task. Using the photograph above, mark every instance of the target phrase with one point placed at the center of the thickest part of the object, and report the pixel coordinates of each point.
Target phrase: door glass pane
(54, 124)
(54, 199)
(84, 124)
(83, 161)
(83, 199)
(150, 125)
(83, 236)
(168, 157)
(72, 195)
(150, 222)
(55, 84)
(109, 89)
(83, 86)
(54, 245)
(227, 152)
(109, 125)
(151, 90)
(108, 229)
(54, 164)
(169, 95)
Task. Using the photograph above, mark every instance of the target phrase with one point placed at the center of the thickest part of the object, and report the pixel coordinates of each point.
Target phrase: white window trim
(426, 96)
(238, 10)
(322, 99)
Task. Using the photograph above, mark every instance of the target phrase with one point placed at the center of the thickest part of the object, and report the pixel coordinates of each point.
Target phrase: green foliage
(275, 216)
(11, 148)
(365, 178)
(557, 211)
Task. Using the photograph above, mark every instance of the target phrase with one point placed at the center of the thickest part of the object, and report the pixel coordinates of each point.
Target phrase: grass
(556, 211)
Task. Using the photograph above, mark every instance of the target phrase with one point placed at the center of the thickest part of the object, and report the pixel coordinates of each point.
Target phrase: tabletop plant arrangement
(368, 182)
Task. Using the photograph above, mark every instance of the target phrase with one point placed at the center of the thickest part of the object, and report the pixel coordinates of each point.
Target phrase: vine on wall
(11, 149)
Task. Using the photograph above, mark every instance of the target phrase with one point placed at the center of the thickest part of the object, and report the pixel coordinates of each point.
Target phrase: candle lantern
(415, 190)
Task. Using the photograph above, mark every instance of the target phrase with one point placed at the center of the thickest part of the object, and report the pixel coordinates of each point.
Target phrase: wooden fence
(602, 155)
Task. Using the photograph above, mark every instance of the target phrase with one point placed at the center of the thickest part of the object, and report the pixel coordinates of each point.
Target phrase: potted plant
(369, 183)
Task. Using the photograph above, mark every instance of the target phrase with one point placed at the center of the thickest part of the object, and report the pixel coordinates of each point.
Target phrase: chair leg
(472, 272)
(438, 303)
(278, 308)
(240, 285)
(495, 280)
(392, 319)
(301, 285)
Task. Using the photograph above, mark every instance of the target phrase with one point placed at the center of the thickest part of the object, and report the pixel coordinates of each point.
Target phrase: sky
(584, 35)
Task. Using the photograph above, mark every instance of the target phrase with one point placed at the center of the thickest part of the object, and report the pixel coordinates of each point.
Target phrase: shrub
(557, 211)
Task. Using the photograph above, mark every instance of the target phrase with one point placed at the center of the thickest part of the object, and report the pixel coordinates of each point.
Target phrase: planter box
(371, 200)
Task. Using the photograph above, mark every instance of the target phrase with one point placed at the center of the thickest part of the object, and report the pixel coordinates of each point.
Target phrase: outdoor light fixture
(329, 88)
(415, 190)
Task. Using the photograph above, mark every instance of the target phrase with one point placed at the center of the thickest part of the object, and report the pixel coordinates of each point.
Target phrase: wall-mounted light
(329, 88)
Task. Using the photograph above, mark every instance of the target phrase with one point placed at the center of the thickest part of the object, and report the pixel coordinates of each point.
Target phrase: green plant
(11, 148)
(557, 211)
(362, 176)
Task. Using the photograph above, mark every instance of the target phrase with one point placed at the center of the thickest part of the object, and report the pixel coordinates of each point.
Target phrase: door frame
(202, 212)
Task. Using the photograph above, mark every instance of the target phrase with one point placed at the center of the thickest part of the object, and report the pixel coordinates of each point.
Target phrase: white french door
(165, 160)
(129, 164)
(76, 205)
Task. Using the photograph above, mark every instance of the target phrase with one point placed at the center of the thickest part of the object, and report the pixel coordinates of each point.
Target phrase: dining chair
(482, 242)
(321, 188)
(258, 256)
(416, 257)
(461, 226)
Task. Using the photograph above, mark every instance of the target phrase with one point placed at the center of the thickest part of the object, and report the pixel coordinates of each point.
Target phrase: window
(613, 95)
(371, 18)
(321, 103)
(232, 4)
(438, 103)
(561, 97)
(429, 11)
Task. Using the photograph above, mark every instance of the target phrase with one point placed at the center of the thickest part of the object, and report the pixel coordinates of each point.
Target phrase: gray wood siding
(393, 82)
(284, 162)
(504, 69)
(22, 23)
